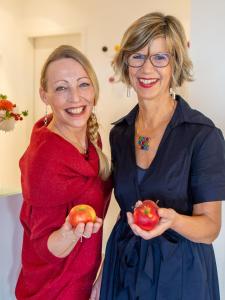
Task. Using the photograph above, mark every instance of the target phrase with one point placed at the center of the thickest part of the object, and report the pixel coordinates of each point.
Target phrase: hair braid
(93, 127)
(92, 132)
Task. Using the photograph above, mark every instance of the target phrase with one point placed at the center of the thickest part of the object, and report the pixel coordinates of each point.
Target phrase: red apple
(82, 213)
(146, 215)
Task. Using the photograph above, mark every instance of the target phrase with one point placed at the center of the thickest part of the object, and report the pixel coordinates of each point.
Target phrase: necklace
(143, 141)
(82, 150)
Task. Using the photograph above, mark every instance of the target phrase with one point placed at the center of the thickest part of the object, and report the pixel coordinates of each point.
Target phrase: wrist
(176, 220)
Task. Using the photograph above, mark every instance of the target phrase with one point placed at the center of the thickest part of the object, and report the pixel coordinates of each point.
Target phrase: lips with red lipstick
(147, 83)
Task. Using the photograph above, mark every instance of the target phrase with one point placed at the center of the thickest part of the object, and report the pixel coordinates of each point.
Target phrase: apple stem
(157, 201)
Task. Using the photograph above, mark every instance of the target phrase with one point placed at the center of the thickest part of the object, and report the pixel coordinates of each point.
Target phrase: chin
(147, 97)
(150, 96)
(79, 125)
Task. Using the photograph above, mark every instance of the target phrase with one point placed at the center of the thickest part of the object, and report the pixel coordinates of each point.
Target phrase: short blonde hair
(66, 51)
(146, 29)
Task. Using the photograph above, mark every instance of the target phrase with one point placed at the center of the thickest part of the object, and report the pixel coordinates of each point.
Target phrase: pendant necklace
(143, 142)
(81, 149)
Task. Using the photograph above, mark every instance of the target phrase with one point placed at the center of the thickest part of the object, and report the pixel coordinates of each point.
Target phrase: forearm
(100, 271)
(61, 244)
(200, 229)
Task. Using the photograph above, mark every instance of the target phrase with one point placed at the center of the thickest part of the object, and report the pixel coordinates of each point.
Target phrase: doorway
(43, 46)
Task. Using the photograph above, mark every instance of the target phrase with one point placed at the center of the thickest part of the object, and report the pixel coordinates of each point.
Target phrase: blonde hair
(146, 29)
(66, 51)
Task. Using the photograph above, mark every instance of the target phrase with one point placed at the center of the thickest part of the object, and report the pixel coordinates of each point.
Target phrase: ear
(43, 95)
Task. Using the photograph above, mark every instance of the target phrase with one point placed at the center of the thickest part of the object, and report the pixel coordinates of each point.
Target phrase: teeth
(76, 110)
(147, 81)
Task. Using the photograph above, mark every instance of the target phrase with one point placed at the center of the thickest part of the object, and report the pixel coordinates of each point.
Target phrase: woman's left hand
(167, 219)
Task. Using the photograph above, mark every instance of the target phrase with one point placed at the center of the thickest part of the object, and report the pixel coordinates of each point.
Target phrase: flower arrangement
(9, 114)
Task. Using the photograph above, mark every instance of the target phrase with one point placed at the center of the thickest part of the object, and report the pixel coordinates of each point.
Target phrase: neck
(76, 136)
(154, 112)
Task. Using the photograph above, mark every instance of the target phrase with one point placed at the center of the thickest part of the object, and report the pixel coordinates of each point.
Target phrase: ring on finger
(86, 236)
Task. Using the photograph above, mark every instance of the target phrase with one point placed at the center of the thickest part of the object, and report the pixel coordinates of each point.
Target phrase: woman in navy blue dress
(163, 150)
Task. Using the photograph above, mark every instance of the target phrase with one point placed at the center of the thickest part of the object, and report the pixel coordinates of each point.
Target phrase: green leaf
(3, 97)
(24, 113)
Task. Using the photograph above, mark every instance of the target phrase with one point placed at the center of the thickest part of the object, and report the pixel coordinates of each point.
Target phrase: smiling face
(148, 81)
(69, 92)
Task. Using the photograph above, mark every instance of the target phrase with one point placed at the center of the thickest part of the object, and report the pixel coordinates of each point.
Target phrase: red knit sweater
(55, 177)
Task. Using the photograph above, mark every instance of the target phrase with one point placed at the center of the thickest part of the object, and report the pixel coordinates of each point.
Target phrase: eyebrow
(164, 52)
(86, 77)
(66, 81)
(61, 80)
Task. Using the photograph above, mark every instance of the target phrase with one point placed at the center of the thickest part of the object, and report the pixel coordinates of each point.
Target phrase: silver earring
(46, 116)
(172, 94)
(128, 92)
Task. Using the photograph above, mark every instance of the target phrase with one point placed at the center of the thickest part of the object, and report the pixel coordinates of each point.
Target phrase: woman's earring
(172, 94)
(128, 92)
(46, 116)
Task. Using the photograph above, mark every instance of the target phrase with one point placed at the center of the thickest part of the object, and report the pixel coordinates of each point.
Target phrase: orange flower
(8, 114)
(6, 105)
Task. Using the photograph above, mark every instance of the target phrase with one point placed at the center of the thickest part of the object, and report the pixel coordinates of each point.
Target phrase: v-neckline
(150, 169)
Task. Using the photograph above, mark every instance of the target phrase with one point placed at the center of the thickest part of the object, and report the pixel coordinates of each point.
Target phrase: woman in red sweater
(62, 167)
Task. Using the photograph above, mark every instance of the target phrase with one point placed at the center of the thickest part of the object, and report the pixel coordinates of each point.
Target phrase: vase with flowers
(9, 114)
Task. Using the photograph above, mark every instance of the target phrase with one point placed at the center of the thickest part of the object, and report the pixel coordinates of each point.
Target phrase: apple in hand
(146, 215)
(81, 213)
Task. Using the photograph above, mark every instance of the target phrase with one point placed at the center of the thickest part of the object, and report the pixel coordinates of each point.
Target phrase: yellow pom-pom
(117, 47)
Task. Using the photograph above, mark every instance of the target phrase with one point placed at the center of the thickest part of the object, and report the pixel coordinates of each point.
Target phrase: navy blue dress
(189, 168)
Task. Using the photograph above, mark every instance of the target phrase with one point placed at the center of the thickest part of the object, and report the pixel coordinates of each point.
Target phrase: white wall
(15, 81)
(207, 92)
(207, 49)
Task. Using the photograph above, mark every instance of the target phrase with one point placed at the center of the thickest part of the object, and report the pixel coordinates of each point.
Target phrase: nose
(148, 66)
(73, 95)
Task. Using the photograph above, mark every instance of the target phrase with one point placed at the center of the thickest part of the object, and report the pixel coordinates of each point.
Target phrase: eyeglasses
(158, 60)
